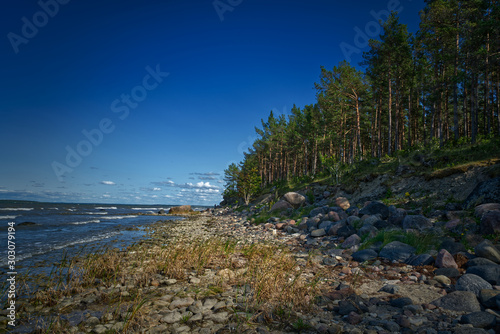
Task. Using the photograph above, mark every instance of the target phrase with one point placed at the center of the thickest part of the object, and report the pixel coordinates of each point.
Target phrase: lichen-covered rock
(485, 192)
(281, 205)
(295, 199)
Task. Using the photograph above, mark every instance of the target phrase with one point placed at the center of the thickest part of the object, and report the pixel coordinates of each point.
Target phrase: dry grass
(276, 282)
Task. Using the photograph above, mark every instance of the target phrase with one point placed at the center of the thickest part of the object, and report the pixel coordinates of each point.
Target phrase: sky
(148, 101)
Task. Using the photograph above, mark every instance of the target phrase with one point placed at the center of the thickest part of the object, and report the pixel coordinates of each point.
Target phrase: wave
(21, 257)
(106, 208)
(86, 222)
(149, 209)
(8, 217)
(16, 209)
(95, 213)
(120, 217)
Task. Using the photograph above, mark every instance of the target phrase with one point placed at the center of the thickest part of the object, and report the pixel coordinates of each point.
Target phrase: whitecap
(8, 217)
(106, 208)
(16, 209)
(120, 217)
(86, 222)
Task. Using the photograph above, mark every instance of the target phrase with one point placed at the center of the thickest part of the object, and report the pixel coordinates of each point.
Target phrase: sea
(46, 233)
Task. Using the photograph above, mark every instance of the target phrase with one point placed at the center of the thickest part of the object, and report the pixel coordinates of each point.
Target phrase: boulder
(420, 260)
(364, 255)
(316, 211)
(487, 250)
(490, 222)
(416, 222)
(485, 192)
(333, 216)
(281, 205)
(487, 297)
(374, 208)
(342, 202)
(318, 233)
(448, 272)
(479, 319)
(445, 260)
(480, 210)
(397, 251)
(295, 199)
(491, 274)
(472, 283)
(462, 301)
(480, 261)
(180, 209)
(353, 240)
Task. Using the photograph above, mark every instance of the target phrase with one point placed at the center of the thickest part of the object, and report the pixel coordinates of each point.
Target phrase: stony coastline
(332, 286)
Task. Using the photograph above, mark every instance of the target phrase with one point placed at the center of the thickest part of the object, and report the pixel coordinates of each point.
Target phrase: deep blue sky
(226, 71)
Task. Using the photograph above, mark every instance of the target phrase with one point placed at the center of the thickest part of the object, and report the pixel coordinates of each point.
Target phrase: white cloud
(108, 183)
(156, 189)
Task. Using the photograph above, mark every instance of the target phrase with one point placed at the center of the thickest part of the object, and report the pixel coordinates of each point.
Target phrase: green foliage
(422, 242)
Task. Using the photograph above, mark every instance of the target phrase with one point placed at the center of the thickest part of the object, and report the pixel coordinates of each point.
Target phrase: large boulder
(281, 205)
(374, 208)
(472, 283)
(480, 210)
(176, 210)
(485, 192)
(490, 222)
(490, 274)
(295, 199)
(343, 203)
(445, 260)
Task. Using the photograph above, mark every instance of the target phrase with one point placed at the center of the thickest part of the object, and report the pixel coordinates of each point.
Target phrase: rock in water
(295, 199)
(180, 209)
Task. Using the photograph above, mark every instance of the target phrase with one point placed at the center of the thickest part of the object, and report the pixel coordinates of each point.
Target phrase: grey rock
(480, 261)
(453, 247)
(491, 274)
(464, 301)
(490, 222)
(416, 222)
(281, 205)
(364, 255)
(469, 330)
(325, 225)
(314, 212)
(218, 317)
(334, 229)
(318, 233)
(473, 283)
(448, 272)
(369, 230)
(353, 240)
(397, 251)
(420, 260)
(487, 297)
(485, 192)
(172, 318)
(295, 199)
(390, 288)
(374, 208)
(479, 319)
(346, 231)
(445, 260)
(480, 210)
(487, 250)
(401, 302)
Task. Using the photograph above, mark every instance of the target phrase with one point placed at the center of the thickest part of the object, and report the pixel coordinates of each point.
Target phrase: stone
(396, 215)
(453, 247)
(227, 274)
(353, 318)
(218, 317)
(374, 208)
(346, 231)
(416, 222)
(281, 205)
(442, 279)
(334, 229)
(316, 211)
(397, 251)
(473, 283)
(342, 202)
(180, 209)
(487, 250)
(295, 199)
(161, 212)
(487, 297)
(479, 319)
(346, 307)
(390, 288)
(420, 260)
(462, 301)
(333, 216)
(318, 233)
(401, 302)
(364, 255)
(325, 225)
(480, 210)
(485, 192)
(491, 274)
(448, 272)
(490, 222)
(445, 260)
(99, 329)
(351, 241)
(172, 318)
(180, 303)
(480, 261)
(369, 230)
